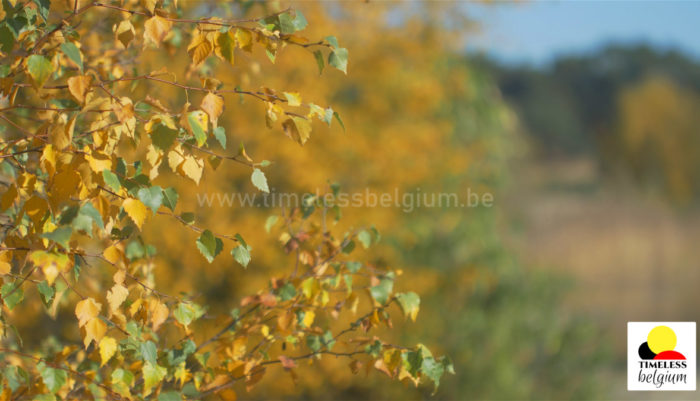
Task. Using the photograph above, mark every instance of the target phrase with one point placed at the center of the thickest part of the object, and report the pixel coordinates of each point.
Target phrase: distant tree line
(632, 108)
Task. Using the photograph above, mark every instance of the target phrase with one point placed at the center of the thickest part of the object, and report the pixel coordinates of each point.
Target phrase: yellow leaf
(63, 185)
(51, 264)
(159, 314)
(200, 48)
(293, 98)
(192, 168)
(175, 158)
(36, 208)
(86, 310)
(95, 329)
(124, 110)
(227, 395)
(79, 86)
(308, 318)
(8, 198)
(244, 39)
(297, 128)
(112, 254)
(99, 161)
(155, 30)
(116, 296)
(136, 210)
(155, 158)
(150, 5)
(48, 159)
(108, 347)
(61, 133)
(5, 259)
(213, 105)
(124, 32)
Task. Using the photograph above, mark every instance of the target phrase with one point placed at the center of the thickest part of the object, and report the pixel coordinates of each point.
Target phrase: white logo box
(637, 333)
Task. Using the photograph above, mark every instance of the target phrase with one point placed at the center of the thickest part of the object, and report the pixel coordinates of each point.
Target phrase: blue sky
(536, 31)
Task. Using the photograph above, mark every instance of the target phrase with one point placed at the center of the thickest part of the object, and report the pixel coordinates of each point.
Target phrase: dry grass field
(631, 256)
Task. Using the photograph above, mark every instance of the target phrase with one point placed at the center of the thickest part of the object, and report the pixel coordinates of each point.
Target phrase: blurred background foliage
(420, 117)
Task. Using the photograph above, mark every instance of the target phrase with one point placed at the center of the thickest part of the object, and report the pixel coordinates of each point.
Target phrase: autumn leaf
(79, 86)
(297, 128)
(108, 347)
(136, 210)
(40, 69)
(124, 32)
(116, 296)
(200, 48)
(155, 30)
(213, 105)
(87, 310)
(95, 329)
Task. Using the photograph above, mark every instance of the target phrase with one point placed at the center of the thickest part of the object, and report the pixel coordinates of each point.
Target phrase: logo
(661, 356)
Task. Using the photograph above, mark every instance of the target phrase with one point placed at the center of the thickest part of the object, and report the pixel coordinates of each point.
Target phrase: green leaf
(47, 292)
(414, 361)
(286, 24)
(241, 253)
(337, 117)
(89, 210)
(198, 129)
(333, 41)
(122, 379)
(339, 59)
(53, 379)
(151, 197)
(170, 198)
(354, 267)
(10, 296)
(186, 313)
(170, 396)
(270, 222)
(149, 352)
(365, 238)
(299, 21)
(259, 180)
(349, 247)
(314, 343)
(163, 137)
(410, 304)
(374, 349)
(152, 375)
(187, 217)
(209, 246)
(227, 45)
(111, 180)
(433, 370)
(220, 135)
(39, 68)
(43, 7)
(287, 292)
(134, 250)
(381, 291)
(319, 61)
(73, 53)
(328, 116)
(61, 236)
(7, 39)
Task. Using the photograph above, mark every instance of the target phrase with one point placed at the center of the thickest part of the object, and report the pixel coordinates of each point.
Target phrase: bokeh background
(581, 120)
